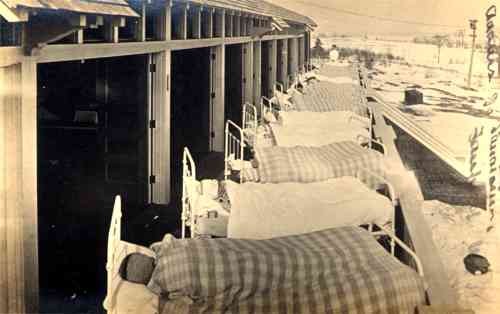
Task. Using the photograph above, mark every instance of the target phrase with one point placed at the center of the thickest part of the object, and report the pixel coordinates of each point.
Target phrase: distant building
(334, 53)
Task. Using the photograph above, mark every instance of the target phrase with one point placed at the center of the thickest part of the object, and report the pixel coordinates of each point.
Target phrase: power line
(381, 18)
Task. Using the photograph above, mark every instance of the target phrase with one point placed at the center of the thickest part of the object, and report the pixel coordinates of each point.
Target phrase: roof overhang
(17, 10)
(13, 15)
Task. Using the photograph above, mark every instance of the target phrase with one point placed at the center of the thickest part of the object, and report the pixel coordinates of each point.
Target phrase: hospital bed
(246, 275)
(255, 210)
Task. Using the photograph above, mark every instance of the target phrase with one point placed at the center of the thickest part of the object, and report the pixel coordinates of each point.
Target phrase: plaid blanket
(341, 270)
(326, 96)
(337, 71)
(310, 164)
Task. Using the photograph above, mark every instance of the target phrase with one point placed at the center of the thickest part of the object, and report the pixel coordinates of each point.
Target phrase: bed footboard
(394, 239)
(380, 184)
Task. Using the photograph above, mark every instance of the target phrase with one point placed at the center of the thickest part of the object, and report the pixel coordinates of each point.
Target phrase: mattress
(261, 211)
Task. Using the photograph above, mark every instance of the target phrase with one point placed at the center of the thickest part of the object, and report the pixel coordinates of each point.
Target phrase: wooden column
(220, 23)
(196, 22)
(111, 28)
(237, 24)
(284, 67)
(293, 59)
(273, 50)
(164, 22)
(243, 22)
(247, 87)
(301, 53)
(218, 101)
(307, 45)
(12, 281)
(229, 23)
(140, 29)
(160, 110)
(183, 23)
(29, 183)
(249, 23)
(208, 23)
(257, 72)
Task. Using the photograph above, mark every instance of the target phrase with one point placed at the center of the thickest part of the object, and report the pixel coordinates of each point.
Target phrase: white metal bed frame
(189, 173)
(267, 106)
(250, 122)
(235, 153)
(118, 249)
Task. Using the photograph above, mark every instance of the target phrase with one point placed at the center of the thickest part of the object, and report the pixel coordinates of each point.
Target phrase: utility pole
(473, 26)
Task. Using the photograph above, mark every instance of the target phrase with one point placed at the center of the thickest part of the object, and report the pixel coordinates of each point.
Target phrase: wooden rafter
(13, 15)
(53, 30)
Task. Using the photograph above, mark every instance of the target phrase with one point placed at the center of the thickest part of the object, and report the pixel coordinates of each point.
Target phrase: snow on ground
(458, 231)
(450, 111)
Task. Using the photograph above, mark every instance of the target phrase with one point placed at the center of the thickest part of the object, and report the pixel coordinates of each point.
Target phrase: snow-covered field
(457, 59)
(450, 111)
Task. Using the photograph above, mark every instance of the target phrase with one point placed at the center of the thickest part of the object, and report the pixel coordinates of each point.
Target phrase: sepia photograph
(249, 156)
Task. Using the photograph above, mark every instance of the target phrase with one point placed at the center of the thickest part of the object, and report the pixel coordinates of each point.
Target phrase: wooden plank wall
(161, 133)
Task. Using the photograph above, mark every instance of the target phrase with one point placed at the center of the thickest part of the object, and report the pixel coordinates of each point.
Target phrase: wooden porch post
(18, 189)
(257, 72)
(273, 49)
(196, 22)
(248, 72)
(284, 60)
(29, 181)
(220, 23)
(161, 132)
(218, 99)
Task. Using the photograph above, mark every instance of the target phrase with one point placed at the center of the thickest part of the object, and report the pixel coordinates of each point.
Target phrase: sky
(455, 13)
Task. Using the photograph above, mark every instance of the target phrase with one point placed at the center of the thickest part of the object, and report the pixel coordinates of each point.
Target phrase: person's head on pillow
(137, 268)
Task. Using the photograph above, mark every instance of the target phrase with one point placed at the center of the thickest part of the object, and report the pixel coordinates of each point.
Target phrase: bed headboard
(188, 176)
(114, 238)
(250, 116)
(234, 146)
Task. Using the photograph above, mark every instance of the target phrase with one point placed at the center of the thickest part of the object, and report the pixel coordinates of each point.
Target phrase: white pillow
(204, 204)
(210, 188)
(269, 117)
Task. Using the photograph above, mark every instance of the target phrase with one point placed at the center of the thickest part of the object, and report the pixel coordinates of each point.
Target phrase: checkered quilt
(338, 71)
(326, 96)
(311, 164)
(340, 270)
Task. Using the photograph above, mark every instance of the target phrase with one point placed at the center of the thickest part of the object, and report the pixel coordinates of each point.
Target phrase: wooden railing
(417, 233)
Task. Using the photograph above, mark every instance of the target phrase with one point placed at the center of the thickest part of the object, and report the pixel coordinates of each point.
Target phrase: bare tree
(439, 41)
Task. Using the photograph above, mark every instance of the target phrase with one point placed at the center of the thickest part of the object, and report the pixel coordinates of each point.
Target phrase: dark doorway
(92, 145)
(233, 84)
(190, 101)
(265, 70)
